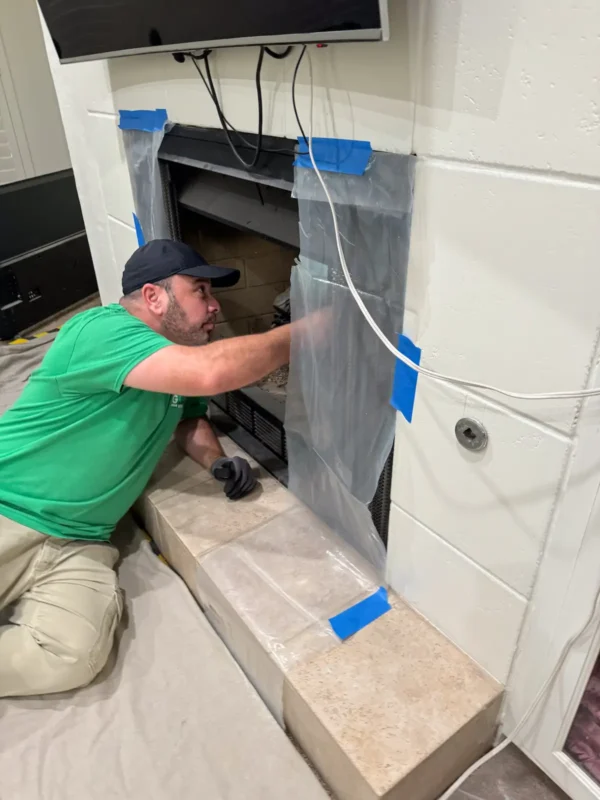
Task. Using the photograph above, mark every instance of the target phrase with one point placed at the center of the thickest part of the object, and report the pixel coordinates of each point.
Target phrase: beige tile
(184, 503)
(203, 517)
(270, 268)
(321, 748)
(258, 662)
(173, 474)
(255, 621)
(307, 645)
(241, 303)
(307, 563)
(272, 616)
(396, 712)
(170, 545)
(271, 592)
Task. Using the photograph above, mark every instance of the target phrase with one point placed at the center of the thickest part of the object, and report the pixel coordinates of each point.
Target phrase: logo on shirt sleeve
(176, 401)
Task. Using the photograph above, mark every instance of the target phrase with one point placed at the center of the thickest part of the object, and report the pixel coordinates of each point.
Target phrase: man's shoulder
(90, 332)
(100, 324)
(110, 316)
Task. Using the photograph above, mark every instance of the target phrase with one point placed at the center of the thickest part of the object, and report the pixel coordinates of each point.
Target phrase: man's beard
(177, 329)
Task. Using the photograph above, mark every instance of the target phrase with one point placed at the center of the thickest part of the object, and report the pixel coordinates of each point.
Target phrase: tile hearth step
(396, 712)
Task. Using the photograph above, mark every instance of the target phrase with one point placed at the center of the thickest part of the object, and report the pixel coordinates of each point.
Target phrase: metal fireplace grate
(380, 504)
(255, 419)
(268, 429)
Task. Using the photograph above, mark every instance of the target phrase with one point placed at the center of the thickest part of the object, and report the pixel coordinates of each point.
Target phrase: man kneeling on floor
(80, 444)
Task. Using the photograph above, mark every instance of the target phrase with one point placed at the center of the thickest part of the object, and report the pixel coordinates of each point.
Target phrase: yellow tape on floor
(25, 339)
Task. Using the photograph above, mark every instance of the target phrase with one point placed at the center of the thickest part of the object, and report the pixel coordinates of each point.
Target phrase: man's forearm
(197, 438)
(243, 360)
(213, 368)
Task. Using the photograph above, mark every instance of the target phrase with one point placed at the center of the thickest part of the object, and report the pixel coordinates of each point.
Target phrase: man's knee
(50, 672)
(28, 667)
(34, 660)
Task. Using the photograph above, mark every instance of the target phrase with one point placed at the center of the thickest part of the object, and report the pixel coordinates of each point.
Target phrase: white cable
(429, 373)
(473, 384)
(538, 698)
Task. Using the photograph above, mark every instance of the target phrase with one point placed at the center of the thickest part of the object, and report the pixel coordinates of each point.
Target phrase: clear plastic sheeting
(271, 592)
(141, 150)
(339, 422)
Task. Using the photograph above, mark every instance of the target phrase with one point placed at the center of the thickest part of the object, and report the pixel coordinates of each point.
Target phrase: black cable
(279, 56)
(258, 149)
(223, 119)
(225, 124)
(294, 96)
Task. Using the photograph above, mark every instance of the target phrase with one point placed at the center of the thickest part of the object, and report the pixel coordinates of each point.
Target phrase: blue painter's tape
(336, 155)
(361, 614)
(143, 120)
(138, 230)
(405, 379)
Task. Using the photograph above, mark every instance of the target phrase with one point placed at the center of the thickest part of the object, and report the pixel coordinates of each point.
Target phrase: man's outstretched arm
(213, 368)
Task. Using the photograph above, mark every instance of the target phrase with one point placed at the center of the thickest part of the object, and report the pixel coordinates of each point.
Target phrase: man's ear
(154, 297)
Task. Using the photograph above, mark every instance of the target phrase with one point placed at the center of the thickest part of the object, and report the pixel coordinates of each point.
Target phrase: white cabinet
(11, 163)
(32, 139)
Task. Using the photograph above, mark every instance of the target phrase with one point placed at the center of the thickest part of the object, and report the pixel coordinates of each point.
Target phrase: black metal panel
(170, 201)
(380, 505)
(253, 415)
(248, 442)
(35, 212)
(196, 147)
(43, 282)
(264, 210)
(245, 418)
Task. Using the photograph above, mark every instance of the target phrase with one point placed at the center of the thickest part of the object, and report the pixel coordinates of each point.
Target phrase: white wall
(32, 140)
(501, 103)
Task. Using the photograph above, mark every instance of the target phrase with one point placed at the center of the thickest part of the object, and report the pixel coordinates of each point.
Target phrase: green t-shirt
(78, 447)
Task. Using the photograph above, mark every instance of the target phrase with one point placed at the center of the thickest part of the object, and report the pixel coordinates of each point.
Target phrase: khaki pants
(64, 607)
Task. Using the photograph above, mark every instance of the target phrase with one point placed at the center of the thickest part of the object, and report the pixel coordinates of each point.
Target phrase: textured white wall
(503, 287)
(501, 103)
(362, 91)
(32, 140)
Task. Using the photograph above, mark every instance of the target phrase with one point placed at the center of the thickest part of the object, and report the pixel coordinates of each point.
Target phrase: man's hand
(236, 474)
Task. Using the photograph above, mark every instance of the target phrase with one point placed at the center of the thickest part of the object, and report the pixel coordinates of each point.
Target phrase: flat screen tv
(83, 30)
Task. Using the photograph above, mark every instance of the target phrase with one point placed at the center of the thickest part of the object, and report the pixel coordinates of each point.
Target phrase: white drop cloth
(172, 717)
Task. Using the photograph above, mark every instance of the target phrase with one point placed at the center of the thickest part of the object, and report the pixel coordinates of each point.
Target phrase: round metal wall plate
(471, 434)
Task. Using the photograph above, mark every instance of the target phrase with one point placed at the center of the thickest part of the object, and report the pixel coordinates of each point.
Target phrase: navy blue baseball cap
(163, 258)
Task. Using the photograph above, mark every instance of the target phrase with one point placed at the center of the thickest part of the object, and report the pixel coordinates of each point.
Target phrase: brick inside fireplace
(265, 269)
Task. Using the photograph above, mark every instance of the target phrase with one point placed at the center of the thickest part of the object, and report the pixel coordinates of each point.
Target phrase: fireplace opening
(247, 219)
(261, 299)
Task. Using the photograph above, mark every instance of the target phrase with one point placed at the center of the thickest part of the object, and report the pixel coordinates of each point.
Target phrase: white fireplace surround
(500, 104)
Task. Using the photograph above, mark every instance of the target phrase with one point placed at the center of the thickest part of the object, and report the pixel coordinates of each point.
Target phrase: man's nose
(213, 305)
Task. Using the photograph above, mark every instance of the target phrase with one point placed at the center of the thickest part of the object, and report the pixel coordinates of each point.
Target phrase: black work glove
(236, 474)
